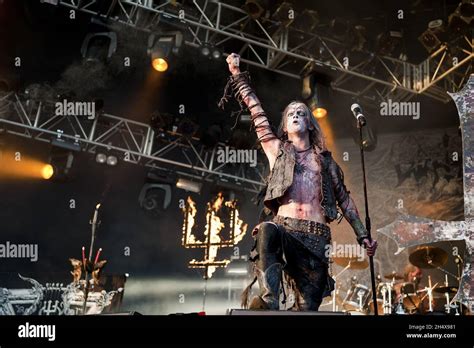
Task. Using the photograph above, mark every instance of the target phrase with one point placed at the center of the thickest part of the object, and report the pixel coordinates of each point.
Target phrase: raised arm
(244, 92)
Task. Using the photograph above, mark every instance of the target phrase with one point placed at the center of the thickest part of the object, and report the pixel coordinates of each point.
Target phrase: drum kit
(397, 294)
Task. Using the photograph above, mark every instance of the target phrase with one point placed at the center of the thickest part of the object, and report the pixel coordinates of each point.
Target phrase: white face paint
(297, 119)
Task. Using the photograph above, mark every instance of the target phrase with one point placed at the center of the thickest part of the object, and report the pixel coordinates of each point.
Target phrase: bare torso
(303, 198)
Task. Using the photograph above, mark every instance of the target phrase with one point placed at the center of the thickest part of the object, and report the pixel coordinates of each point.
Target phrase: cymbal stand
(334, 306)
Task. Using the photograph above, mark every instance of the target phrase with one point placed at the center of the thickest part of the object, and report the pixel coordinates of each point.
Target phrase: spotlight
(433, 36)
(101, 158)
(316, 92)
(112, 160)
(307, 20)
(210, 51)
(158, 63)
(281, 14)
(47, 171)
(160, 48)
(206, 50)
(387, 42)
(216, 53)
(155, 195)
(61, 161)
(189, 185)
(255, 8)
(466, 9)
(99, 47)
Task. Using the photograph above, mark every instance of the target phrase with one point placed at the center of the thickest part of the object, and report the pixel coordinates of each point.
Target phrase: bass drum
(410, 298)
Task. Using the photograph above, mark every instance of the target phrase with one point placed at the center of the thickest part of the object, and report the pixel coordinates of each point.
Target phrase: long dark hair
(316, 136)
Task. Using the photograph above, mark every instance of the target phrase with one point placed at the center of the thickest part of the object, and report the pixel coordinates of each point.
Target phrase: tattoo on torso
(303, 197)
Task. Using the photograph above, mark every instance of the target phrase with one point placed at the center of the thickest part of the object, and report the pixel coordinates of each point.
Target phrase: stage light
(47, 171)
(216, 53)
(155, 195)
(318, 112)
(466, 9)
(189, 185)
(255, 8)
(281, 14)
(61, 160)
(307, 20)
(433, 36)
(162, 46)
(99, 47)
(159, 64)
(316, 93)
(101, 158)
(387, 42)
(206, 50)
(112, 160)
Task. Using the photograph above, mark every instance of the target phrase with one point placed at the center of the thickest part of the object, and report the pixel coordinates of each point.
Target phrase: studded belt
(303, 226)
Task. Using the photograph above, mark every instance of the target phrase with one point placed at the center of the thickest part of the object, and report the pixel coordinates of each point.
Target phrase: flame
(213, 227)
(217, 205)
(236, 223)
(189, 211)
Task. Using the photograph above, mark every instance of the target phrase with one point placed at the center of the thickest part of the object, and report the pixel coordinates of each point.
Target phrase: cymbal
(393, 275)
(428, 257)
(447, 289)
(355, 263)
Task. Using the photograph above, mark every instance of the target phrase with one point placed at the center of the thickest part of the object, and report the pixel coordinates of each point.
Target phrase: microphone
(357, 111)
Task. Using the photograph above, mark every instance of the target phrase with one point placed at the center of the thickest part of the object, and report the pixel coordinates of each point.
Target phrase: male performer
(304, 185)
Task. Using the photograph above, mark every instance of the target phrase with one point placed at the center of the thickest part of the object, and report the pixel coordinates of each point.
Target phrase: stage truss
(291, 52)
(136, 142)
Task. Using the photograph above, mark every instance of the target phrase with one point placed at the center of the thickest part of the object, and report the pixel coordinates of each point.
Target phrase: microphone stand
(367, 217)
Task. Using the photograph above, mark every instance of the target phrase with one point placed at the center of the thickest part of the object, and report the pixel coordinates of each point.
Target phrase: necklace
(309, 148)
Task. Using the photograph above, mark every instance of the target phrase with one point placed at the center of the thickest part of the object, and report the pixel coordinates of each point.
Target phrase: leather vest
(281, 178)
